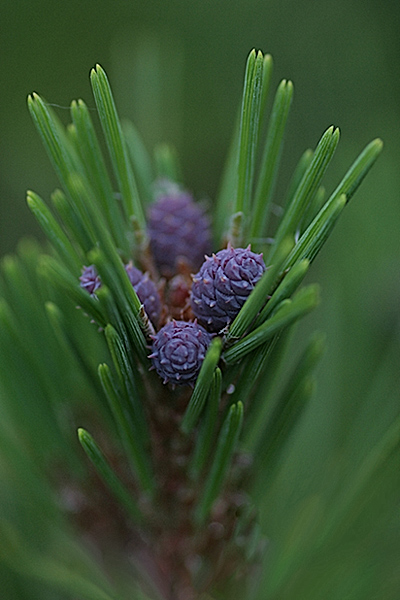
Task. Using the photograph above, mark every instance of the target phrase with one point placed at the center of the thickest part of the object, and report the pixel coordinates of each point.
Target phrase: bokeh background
(176, 68)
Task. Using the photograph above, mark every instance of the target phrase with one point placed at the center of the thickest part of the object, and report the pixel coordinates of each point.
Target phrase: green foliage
(203, 385)
(248, 132)
(106, 472)
(118, 151)
(271, 158)
(249, 399)
(226, 443)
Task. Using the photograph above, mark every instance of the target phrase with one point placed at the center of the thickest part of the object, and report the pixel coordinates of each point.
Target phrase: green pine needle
(141, 161)
(248, 135)
(271, 159)
(88, 148)
(307, 188)
(72, 224)
(289, 312)
(285, 407)
(135, 450)
(109, 477)
(118, 152)
(208, 426)
(227, 441)
(130, 381)
(359, 169)
(316, 234)
(54, 232)
(285, 289)
(167, 163)
(54, 138)
(202, 387)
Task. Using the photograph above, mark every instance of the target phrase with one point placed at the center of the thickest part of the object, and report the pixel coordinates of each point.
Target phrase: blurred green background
(176, 69)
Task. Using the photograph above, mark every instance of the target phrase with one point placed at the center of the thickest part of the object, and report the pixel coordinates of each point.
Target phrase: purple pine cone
(179, 349)
(177, 228)
(223, 284)
(147, 292)
(144, 287)
(89, 279)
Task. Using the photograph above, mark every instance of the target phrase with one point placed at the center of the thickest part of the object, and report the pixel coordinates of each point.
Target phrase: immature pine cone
(147, 292)
(178, 228)
(223, 284)
(144, 287)
(89, 279)
(179, 349)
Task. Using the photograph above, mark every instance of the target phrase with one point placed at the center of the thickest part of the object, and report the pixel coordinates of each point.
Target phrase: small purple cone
(89, 279)
(144, 287)
(147, 292)
(223, 284)
(178, 351)
(178, 228)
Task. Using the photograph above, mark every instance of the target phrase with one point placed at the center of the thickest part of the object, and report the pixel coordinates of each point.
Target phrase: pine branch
(201, 400)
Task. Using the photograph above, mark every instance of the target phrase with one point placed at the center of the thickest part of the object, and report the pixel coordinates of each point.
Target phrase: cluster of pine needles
(115, 485)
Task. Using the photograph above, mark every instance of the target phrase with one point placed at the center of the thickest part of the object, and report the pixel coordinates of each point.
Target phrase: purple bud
(89, 279)
(178, 228)
(223, 284)
(144, 287)
(178, 351)
(146, 291)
